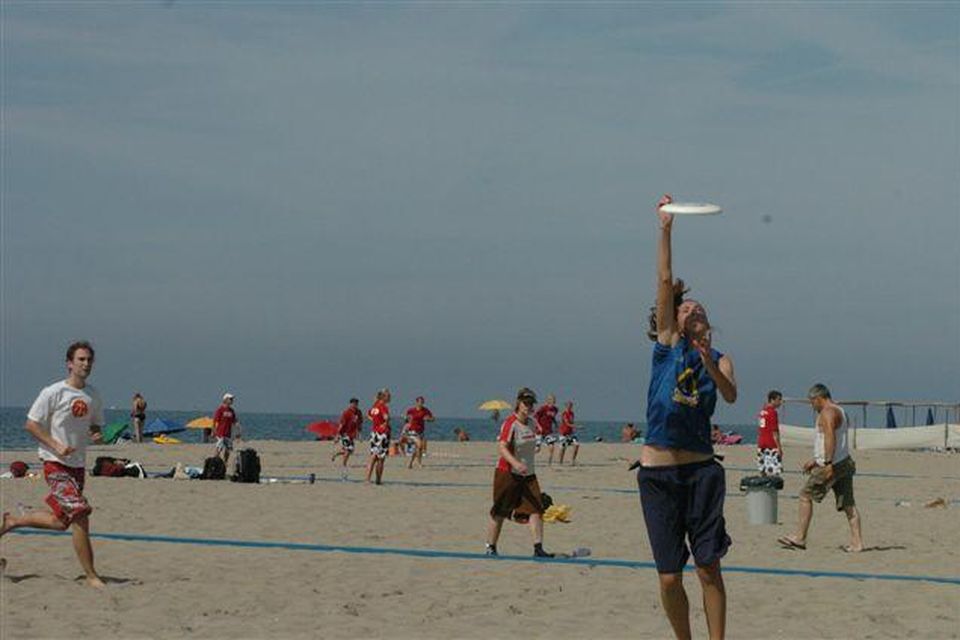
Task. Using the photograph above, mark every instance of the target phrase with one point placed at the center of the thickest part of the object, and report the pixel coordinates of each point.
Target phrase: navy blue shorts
(681, 503)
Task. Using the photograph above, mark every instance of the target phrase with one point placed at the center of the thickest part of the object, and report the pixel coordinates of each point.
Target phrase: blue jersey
(681, 398)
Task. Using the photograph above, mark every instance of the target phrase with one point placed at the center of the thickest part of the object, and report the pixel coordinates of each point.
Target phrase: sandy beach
(166, 588)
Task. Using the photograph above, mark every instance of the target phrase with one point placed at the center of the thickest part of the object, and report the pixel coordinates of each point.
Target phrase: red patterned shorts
(66, 491)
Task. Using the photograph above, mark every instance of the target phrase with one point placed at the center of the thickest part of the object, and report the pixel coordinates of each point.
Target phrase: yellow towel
(165, 439)
(557, 513)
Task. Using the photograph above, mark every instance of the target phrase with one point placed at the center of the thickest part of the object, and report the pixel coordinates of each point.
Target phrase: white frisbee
(691, 208)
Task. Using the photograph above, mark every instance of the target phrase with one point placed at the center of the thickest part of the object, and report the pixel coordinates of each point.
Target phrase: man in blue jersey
(682, 486)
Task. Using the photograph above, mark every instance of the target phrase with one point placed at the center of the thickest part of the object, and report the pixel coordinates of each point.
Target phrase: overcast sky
(299, 203)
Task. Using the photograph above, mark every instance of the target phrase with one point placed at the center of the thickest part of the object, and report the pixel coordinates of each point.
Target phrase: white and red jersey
(379, 414)
(566, 423)
(417, 417)
(768, 425)
(546, 417)
(351, 422)
(521, 440)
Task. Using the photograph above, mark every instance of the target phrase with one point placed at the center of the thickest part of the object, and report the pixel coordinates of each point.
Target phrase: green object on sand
(112, 432)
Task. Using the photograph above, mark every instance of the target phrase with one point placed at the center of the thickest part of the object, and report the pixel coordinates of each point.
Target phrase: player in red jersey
(568, 434)
(769, 451)
(379, 414)
(351, 423)
(546, 418)
(417, 417)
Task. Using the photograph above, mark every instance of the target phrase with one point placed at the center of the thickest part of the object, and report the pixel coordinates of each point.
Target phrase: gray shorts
(224, 444)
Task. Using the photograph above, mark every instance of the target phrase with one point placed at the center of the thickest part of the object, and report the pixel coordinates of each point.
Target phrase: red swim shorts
(66, 491)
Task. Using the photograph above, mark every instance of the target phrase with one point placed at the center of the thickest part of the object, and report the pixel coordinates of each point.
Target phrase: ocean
(291, 426)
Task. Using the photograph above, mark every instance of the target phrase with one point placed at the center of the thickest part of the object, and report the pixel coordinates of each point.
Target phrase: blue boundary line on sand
(463, 555)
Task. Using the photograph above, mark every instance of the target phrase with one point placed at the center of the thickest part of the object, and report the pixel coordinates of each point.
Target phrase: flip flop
(789, 543)
(848, 549)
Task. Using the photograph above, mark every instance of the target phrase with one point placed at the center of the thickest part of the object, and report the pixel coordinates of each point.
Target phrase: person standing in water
(63, 419)
(681, 485)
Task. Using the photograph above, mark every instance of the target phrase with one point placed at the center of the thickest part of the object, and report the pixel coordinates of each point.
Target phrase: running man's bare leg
(379, 465)
(81, 544)
(536, 528)
(550, 461)
(673, 597)
(853, 519)
(34, 519)
(563, 452)
(714, 599)
(493, 530)
(370, 464)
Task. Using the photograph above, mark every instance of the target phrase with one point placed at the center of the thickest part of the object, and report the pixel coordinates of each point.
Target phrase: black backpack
(214, 469)
(247, 467)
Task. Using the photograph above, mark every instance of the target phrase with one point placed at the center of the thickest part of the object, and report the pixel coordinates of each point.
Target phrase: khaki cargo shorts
(816, 486)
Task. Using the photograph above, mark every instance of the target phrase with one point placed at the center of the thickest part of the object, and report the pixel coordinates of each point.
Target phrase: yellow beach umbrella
(203, 422)
(495, 405)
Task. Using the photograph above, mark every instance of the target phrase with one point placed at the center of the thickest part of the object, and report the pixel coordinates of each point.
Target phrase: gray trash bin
(761, 498)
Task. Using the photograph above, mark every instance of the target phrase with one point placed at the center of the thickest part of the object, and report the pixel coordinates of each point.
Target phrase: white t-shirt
(522, 440)
(67, 413)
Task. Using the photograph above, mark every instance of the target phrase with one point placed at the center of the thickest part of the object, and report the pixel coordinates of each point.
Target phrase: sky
(300, 203)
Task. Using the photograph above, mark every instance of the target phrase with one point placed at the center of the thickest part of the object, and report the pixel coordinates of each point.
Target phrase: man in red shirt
(351, 422)
(769, 451)
(224, 420)
(417, 417)
(568, 434)
(379, 414)
(546, 418)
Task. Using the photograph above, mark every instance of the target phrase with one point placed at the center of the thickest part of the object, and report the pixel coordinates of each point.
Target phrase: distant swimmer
(831, 468)
(629, 433)
(546, 417)
(769, 451)
(351, 423)
(682, 486)
(138, 414)
(516, 492)
(417, 417)
(568, 434)
(65, 417)
(379, 415)
(462, 434)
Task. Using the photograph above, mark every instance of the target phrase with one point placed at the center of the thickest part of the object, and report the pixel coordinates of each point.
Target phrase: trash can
(761, 498)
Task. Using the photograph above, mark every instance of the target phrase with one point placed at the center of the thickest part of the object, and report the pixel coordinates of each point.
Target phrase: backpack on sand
(247, 467)
(213, 469)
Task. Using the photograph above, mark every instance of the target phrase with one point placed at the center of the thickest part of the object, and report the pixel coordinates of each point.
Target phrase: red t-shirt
(350, 421)
(380, 415)
(417, 418)
(566, 423)
(223, 420)
(769, 424)
(546, 417)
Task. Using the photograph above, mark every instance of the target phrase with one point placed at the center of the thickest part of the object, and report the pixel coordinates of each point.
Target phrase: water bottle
(580, 552)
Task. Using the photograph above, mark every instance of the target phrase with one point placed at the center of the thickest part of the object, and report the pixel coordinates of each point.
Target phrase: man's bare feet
(96, 582)
(849, 548)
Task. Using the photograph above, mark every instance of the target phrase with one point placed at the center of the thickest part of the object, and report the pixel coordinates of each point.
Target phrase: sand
(164, 590)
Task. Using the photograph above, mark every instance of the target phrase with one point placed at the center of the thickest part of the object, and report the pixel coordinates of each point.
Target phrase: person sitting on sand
(629, 433)
(516, 492)
(64, 417)
(830, 468)
(462, 435)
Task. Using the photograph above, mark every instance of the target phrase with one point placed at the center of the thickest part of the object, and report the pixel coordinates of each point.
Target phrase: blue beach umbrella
(160, 426)
(891, 420)
(929, 415)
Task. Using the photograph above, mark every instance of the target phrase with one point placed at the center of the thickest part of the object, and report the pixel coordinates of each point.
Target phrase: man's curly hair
(680, 289)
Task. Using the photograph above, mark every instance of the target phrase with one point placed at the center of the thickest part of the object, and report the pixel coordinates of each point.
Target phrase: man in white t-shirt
(63, 419)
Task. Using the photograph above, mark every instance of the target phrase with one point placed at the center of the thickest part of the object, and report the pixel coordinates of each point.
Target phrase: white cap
(228, 396)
